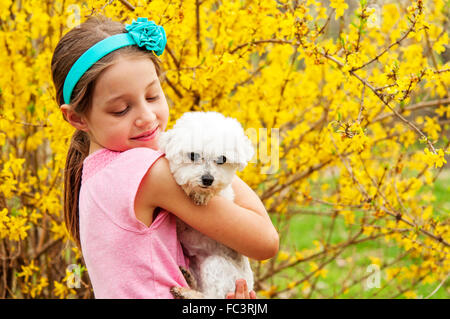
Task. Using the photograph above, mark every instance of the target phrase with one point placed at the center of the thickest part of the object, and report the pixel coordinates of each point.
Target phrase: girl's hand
(241, 291)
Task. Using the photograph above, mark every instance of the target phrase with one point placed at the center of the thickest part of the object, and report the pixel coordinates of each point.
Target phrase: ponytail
(78, 151)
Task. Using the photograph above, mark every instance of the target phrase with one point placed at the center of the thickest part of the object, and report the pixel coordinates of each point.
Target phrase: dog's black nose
(207, 179)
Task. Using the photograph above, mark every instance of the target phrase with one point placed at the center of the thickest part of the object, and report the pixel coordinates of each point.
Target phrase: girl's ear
(73, 118)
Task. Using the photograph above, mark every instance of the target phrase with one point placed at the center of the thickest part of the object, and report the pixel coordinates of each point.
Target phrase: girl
(120, 199)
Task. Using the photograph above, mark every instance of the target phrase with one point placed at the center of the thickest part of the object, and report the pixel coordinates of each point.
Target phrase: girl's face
(127, 102)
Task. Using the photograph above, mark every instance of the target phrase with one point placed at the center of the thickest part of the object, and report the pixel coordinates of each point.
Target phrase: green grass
(303, 229)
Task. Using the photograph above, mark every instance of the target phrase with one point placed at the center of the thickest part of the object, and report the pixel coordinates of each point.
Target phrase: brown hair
(70, 47)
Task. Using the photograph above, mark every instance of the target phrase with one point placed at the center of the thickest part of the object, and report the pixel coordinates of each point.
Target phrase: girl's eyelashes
(149, 99)
(122, 112)
(152, 98)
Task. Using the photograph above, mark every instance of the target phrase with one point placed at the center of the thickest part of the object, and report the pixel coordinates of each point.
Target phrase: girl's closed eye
(149, 99)
(121, 112)
(152, 98)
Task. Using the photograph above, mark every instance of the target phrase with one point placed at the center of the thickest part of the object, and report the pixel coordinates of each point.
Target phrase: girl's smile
(146, 136)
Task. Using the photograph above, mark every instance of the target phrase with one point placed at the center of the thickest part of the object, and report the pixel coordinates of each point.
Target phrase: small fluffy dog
(204, 150)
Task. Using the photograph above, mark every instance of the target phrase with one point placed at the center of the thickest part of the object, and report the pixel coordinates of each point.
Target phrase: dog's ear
(164, 140)
(245, 152)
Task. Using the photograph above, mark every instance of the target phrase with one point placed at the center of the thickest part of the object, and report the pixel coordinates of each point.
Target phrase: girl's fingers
(241, 289)
(246, 294)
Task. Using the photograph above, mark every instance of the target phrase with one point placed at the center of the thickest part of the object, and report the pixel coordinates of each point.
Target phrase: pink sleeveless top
(124, 257)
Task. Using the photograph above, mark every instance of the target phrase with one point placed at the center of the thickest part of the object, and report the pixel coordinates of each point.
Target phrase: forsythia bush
(347, 103)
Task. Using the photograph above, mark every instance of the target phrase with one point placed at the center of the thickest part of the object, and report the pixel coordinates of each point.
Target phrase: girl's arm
(245, 197)
(246, 229)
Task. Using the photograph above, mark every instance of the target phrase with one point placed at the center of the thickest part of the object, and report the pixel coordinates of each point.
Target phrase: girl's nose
(147, 116)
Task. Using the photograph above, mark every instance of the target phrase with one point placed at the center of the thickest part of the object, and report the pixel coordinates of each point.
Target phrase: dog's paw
(190, 279)
(185, 293)
(178, 292)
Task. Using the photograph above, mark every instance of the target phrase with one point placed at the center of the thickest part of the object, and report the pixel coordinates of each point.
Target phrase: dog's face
(203, 175)
(204, 151)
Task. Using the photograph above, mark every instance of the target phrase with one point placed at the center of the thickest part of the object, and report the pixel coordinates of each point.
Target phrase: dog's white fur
(210, 135)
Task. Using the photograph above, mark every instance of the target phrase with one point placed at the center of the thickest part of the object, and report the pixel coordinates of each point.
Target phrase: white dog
(204, 150)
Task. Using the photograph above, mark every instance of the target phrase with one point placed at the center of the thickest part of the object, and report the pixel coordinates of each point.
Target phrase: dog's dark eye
(221, 160)
(194, 156)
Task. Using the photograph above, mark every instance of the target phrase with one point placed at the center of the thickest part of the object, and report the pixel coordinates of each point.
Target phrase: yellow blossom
(17, 228)
(375, 260)
(268, 293)
(292, 284)
(340, 7)
(27, 271)
(410, 294)
(282, 255)
(317, 272)
(37, 289)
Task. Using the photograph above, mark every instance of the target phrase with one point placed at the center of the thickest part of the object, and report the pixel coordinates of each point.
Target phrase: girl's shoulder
(140, 156)
(140, 152)
(126, 161)
(115, 185)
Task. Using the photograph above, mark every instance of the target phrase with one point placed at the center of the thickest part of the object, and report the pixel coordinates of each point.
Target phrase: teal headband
(142, 33)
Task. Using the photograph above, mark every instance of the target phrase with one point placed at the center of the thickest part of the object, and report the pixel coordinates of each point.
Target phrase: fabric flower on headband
(148, 34)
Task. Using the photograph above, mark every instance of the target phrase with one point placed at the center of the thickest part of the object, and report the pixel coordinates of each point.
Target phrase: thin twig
(438, 287)
(415, 107)
(128, 5)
